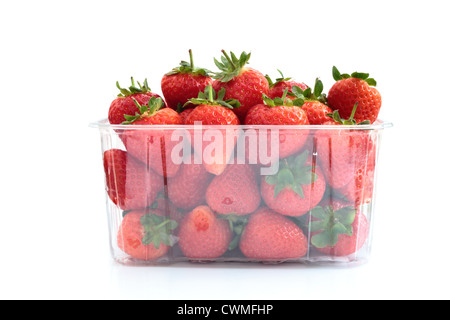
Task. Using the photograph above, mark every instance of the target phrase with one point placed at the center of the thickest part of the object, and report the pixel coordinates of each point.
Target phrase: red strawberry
(235, 191)
(244, 84)
(152, 146)
(338, 229)
(281, 84)
(184, 83)
(314, 103)
(130, 185)
(145, 236)
(184, 114)
(271, 236)
(281, 111)
(203, 236)
(296, 188)
(347, 158)
(124, 103)
(188, 188)
(352, 89)
(214, 111)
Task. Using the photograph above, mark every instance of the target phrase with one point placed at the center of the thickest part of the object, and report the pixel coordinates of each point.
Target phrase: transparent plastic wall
(266, 194)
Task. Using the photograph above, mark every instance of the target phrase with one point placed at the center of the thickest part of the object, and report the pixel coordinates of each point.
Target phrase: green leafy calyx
(311, 95)
(294, 173)
(210, 97)
(350, 121)
(358, 75)
(283, 101)
(230, 66)
(237, 225)
(330, 224)
(189, 67)
(158, 230)
(145, 111)
(144, 88)
(277, 81)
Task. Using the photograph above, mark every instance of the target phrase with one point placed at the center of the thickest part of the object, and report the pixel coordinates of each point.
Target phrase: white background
(59, 61)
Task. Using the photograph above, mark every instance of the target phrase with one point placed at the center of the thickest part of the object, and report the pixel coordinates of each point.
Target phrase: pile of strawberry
(221, 208)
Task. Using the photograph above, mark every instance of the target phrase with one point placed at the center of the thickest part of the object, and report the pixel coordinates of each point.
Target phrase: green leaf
(234, 243)
(272, 180)
(221, 94)
(298, 92)
(307, 93)
(318, 88)
(286, 177)
(300, 160)
(345, 215)
(278, 188)
(298, 189)
(299, 102)
(318, 225)
(320, 213)
(359, 75)
(269, 102)
(336, 74)
(371, 82)
(320, 240)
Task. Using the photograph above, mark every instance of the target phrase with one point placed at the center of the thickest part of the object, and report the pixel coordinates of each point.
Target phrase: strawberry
(347, 158)
(296, 188)
(203, 236)
(235, 191)
(277, 88)
(213, 110)
(184, 114)
(184, 83)
(130, 185)
(124, 103)
(271, 236)
(188, 188)
(314, 103)
(352, 89)
(280, 111)
(153, 146)
(145, 236)
(338, 229)
(244, 84)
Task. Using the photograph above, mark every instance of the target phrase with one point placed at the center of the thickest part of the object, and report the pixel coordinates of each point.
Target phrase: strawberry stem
(229, 59)
(192, 59)
(285, 93)
(352, 116)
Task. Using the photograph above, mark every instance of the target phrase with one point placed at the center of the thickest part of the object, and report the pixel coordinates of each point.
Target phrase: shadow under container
(265, 194)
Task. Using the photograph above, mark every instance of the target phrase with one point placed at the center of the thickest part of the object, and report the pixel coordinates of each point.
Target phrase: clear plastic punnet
(263, 194)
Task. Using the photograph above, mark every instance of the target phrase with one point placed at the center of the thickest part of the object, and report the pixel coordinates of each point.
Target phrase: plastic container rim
(378, 125)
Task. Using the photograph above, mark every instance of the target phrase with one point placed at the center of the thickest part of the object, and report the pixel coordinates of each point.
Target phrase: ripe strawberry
(184, 83)
(184, 114)
(338, 229)
(130, 185)
(235, 191)
(347, 158)
(203, 236)
(145, 236)
(153, 146)
(296, 188)
(352, 89)
(271, 236)
(124, 103)
(280, 111)
(213, 110)
(276, 90)
(314, 103)
(244, 84)
(188, 188)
